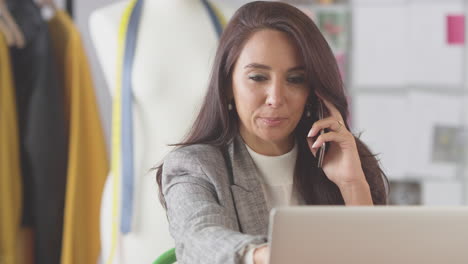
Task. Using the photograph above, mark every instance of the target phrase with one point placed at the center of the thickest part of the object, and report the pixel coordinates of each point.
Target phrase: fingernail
(310, 134)
(315, 145)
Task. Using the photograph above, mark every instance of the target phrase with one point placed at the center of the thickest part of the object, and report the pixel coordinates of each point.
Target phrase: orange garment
(10, 169)
(87, 164)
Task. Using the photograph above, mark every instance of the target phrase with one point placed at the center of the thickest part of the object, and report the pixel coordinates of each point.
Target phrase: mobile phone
(321, 152)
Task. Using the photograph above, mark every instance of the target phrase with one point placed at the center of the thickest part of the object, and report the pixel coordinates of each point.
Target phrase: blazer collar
(244, 171)
(247, 190)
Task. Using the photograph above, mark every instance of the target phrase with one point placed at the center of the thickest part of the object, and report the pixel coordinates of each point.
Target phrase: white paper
(432, 60)
(442, 193)
(383, 119)
(380, 48)
(425, 111)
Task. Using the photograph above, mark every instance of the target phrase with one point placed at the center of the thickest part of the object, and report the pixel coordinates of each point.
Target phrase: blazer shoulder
(200, 156)
(196, 151)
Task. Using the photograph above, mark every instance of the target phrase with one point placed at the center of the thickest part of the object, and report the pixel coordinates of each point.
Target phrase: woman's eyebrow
(297, 68)
(257, 66)
(266, 67)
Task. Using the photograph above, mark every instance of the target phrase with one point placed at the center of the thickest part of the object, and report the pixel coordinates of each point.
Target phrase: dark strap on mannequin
(215, 17)
(127, 119)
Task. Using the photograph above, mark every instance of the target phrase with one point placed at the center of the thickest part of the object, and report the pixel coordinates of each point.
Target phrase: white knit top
(276, 177)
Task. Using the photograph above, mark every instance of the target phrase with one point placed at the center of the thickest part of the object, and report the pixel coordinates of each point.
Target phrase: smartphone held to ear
(320, 154)
(321, 151)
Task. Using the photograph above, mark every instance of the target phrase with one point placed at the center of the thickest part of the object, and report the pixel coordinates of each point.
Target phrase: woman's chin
(275, 136)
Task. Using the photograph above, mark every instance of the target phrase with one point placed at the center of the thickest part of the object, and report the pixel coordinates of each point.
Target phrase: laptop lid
(369, 235)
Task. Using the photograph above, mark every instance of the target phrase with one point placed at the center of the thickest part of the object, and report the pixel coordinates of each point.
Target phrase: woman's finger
(328, 123)
(310, 142)
(331, 108)
(328, 137)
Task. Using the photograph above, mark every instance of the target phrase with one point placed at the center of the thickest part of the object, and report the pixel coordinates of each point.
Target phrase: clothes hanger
(10, 22)
(48, 8)
(5, 31)
(47, 3)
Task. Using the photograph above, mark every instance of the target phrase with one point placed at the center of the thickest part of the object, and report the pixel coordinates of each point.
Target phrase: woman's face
(270, 90)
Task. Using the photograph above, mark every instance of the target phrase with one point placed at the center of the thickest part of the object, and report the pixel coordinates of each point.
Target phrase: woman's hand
(261, 255)
(341, 163)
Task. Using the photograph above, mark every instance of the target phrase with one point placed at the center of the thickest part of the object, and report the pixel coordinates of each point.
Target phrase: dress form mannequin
(175, 48)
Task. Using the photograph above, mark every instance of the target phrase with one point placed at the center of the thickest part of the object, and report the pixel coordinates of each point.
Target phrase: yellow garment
(10, 170)
(87, 163)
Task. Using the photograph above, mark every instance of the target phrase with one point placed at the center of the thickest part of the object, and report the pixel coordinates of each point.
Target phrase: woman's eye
(296, 79)
(257, 78)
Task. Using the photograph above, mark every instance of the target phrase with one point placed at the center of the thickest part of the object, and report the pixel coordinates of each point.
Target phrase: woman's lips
(273, 121)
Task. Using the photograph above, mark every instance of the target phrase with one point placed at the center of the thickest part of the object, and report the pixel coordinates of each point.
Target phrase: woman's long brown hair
(216, 125)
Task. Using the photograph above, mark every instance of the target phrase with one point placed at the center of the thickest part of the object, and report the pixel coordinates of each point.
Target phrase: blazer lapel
(252, 211)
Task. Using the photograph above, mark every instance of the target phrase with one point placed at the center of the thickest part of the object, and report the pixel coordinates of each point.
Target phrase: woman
(254, 143)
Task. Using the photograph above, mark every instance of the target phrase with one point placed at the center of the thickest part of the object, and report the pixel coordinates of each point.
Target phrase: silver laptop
(369, 235)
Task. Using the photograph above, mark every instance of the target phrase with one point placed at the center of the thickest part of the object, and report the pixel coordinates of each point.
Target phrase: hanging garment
(10, 171)
(87, 157)
(43, 144)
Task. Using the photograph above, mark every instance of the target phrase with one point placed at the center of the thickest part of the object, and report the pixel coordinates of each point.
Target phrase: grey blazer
(211, 216)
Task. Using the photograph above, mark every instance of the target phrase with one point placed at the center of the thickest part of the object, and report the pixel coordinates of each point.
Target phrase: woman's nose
(275, 94)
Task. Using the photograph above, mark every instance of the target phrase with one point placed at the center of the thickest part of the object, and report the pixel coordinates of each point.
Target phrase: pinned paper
(382, 120)
(447, 144)
(455, 29)
(380, 56)
(442, 193)
(428, 43)
(435, 128)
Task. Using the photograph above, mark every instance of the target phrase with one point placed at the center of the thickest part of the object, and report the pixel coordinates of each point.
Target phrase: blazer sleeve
(200, 209)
